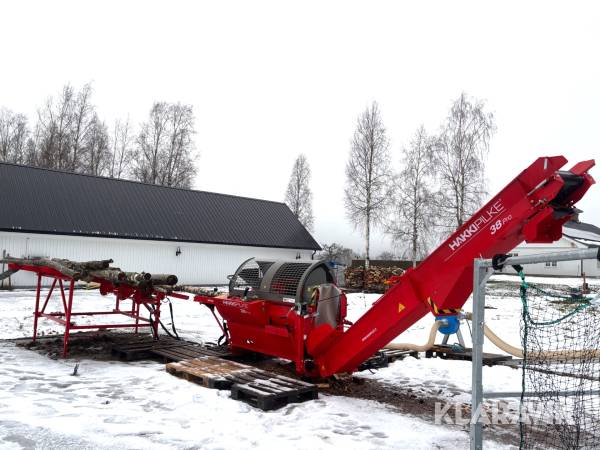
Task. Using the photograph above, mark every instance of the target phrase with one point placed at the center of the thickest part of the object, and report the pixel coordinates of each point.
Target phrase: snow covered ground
(138, 405)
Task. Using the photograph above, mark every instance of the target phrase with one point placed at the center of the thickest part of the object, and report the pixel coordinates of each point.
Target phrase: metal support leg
(62, 294)
(37, 306)
(68, 319)
(461, 341)
(459, 336)
(479, 280)
(156, 319)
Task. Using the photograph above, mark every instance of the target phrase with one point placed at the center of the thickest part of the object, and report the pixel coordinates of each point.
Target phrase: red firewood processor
(294, 310)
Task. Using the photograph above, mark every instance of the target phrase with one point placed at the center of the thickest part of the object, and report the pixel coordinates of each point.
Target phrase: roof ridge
(66, 172)
(582, 226)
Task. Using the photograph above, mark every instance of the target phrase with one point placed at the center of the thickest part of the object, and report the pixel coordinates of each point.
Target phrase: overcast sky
(269, 80)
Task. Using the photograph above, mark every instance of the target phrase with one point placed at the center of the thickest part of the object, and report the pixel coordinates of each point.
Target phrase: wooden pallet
(274, 393)
(254, 386)
(215, 373)
(143, 349)
(189, 351)
(447, 352)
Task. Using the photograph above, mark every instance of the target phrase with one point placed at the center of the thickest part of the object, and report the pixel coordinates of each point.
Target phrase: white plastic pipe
(415, 347)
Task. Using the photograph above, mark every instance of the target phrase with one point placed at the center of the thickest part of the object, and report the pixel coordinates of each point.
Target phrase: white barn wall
(562, 268)
(591, 268)
(197, 264)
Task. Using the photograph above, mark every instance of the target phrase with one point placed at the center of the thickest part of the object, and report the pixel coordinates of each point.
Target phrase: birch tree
(367, 174)
(14, 134)
(178, 160)
(459, 157)
(298, 196)
(411, 221)
(62, 133)
(165, 147)
(54, 123)
(121, 154)
(96, 158)
(150, 143)
(82, 119)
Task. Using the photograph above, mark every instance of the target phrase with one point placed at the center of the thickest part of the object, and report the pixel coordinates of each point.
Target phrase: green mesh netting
(560, 334)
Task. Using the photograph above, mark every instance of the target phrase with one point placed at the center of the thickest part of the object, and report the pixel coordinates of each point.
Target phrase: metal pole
(539, 394)
(479, 280)
(569, 255)
(68, 319)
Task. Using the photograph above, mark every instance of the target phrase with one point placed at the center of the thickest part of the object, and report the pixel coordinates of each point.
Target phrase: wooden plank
(211, 371)
(447, 352)
(189, 351)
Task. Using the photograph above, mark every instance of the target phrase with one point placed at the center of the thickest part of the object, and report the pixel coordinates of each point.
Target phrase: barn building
(200, 236)
(576, 235)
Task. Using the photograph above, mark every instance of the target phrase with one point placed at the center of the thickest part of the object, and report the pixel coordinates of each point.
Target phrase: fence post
(476, 427)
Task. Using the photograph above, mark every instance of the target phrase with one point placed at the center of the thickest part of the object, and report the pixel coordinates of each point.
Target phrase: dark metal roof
(36, 200)
(583, 227)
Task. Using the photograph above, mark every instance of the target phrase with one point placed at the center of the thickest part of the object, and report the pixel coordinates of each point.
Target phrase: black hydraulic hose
(151, 310)
(173, 320)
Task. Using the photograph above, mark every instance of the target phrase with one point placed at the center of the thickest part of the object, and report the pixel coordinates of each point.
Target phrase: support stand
(150, 298)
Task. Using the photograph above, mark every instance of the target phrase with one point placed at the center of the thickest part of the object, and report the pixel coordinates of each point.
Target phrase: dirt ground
(85, 345)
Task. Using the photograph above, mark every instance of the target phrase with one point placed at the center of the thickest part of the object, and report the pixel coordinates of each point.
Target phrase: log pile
(97, 272)
(375, 277)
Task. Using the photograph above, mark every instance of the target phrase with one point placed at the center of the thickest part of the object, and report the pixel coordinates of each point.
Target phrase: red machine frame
(150, 298)
(533, 208)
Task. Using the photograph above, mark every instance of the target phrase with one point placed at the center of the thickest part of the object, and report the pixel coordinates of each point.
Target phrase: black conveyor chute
(572, 183)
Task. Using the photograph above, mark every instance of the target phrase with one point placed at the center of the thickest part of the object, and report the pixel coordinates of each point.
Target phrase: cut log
(85, 266)
(113, 275)
(162, 278)
(196, 290)
(43, 262)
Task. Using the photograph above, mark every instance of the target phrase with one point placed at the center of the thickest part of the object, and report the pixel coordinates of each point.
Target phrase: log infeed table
(149, 297)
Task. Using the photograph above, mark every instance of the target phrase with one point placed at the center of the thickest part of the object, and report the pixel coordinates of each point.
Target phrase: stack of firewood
(374, 280)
